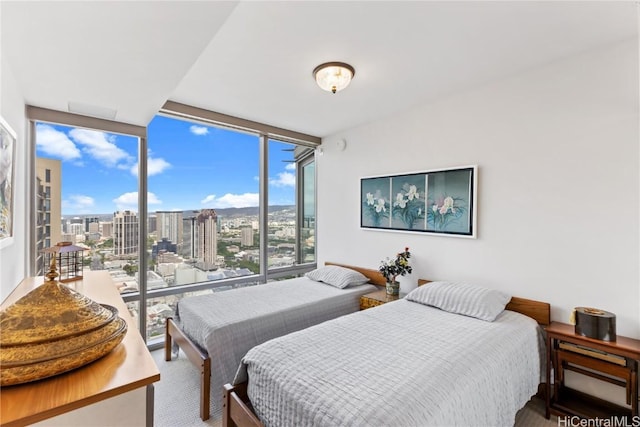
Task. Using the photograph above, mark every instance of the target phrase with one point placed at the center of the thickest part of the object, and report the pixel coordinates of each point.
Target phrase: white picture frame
(7, 181)
(436, 202)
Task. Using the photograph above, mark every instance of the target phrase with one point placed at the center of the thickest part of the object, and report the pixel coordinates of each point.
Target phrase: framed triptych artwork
(436, 202)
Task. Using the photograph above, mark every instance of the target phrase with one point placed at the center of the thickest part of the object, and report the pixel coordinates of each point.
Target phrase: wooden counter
(128, 368)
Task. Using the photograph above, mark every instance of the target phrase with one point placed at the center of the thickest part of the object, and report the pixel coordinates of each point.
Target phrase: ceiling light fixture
(333, 76)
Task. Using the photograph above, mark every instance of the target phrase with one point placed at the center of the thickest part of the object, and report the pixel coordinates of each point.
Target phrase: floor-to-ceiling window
(203, 222)
(281, 235)
(224, 207)
(208, 227)
(306, 206)
(86, 194)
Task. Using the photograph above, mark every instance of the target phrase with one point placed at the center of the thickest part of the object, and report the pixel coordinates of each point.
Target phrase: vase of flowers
(392, 268)
(393, 288)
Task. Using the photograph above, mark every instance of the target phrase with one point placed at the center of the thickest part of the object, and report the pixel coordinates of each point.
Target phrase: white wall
(13, 251)
(558, 193)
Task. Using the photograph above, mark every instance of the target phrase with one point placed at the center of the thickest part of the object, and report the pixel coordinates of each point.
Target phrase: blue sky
(190, 166)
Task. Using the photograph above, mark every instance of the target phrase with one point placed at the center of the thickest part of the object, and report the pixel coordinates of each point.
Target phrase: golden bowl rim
(120, 330)
(114, 314)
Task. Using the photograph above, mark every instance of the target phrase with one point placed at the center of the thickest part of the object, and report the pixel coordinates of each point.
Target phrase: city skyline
(226, 177)
(248, 211)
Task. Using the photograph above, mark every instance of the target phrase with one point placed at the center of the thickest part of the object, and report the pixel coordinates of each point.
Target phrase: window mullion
(263, 217)
(299, 209)
(142, 235)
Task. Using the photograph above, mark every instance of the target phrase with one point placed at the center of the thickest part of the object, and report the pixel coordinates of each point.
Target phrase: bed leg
(205, 389)
(167, 340)
(195, 356)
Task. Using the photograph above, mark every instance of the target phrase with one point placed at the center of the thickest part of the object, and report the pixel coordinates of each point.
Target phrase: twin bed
(447, 354)
(215, 331)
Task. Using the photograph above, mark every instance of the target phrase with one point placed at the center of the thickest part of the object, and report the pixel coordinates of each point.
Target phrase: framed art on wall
(7, 159)
(375, 202)
(438, 202)
(407, 206)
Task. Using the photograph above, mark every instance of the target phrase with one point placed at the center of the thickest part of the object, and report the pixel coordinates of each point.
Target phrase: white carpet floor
(177, 397)
(177, 394)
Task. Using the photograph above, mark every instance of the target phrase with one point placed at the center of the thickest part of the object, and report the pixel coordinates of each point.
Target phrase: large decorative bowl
(54, 329)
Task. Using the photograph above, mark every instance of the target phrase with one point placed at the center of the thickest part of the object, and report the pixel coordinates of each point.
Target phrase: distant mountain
(232, 212)
(226, 212)
(101, 217)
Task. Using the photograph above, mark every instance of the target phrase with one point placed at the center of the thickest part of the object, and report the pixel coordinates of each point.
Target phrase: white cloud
(55, 143)
(290, 166)
(78, 203)
(199, 130)
(129, 201)
(238, 200)
(284, 179)
(101, 146)
(154, 166)
(210, 198)
(232, 200)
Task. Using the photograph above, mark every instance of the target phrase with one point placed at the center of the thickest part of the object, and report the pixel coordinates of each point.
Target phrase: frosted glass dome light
(333, 76)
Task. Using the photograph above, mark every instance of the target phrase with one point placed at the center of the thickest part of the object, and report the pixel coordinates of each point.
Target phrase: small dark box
(595, 323)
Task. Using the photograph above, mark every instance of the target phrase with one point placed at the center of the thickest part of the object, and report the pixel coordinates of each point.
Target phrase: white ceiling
(254, 59)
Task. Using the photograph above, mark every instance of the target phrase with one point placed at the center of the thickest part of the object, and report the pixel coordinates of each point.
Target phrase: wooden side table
(380, 297)
(376, 298)
(116, 389)
(615, 362)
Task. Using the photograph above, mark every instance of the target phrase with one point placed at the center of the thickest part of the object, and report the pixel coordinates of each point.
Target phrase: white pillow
(337, 276)
(461, 298)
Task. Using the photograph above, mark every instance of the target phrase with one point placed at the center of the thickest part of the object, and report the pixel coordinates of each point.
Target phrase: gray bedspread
(227, 324)
(399, 364)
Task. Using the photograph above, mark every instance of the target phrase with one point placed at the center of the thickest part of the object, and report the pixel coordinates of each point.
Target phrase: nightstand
(615, 362)
(377, 298)
(380, 297)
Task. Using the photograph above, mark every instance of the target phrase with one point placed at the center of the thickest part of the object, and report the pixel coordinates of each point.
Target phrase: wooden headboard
(374, 276)
(537, 310)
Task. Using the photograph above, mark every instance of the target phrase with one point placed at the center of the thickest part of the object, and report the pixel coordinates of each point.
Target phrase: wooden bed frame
(237, 410)
(202, 360)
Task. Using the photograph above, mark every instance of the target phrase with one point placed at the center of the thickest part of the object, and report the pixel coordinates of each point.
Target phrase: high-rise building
(76, 229)
(152, 224)
(189, 247)
(48, 208)
(163, 246)
(71, 221)
(106, 229)
(207, 226)
(246, 235)
(89, 220)
(169, 226)
(125, 233)
(94, 227)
